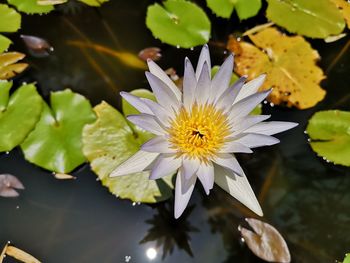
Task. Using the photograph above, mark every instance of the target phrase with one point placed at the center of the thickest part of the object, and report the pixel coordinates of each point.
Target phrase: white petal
(235, 147)
(222, 78)
(165, 164)
(228, 161)
(158, 144)
(203, 85)
(203, 57)
(136, 102)
(189, 84)
(272, 127)
(147, 122)
(183, 192)
(243, 124)
(228, 97)
(160, 112)
(253, 140)
(136, 163)
(165, 96)
(190, 167)
(205, 175)
(246, 105)
(251, 87)
(158, 72)
(239, 188)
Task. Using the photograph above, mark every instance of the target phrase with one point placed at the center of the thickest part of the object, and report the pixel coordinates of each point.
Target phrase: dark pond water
(304, 197)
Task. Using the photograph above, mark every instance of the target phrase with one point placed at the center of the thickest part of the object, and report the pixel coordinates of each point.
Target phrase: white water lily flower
(199, 129)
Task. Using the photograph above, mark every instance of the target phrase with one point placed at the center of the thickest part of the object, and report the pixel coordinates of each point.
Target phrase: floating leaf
(93, 2)
(110, 141)
(290, 64)
(37, 46)
(8, 66)
(344, 7)
(55, 143)
(20, 255)
(4, 43)
(18, 114)
(30, 6)
(329, 132)
(316, 19)
(265, 242)
(347, 258)
(179, 23)
(244, 8)
(10, 19)
(153, 53)
(8, 184)
(51, 2)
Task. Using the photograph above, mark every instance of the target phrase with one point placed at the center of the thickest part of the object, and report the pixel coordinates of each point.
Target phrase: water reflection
(168, 232)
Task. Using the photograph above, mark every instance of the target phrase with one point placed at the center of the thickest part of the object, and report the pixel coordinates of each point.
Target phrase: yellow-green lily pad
(347, 258)
(244, 8)
(93, 2)
(10, 22)
(31, 6)
(55, 143)
(18, 114)
(316, 19)
(179, 23)
(329, 132)
(110, 141)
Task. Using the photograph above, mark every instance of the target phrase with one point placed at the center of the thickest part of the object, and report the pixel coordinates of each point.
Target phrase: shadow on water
(304, 197)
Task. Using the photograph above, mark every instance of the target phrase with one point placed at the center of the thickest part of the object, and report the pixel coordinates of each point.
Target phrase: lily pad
(31, 6)
(277, 55)
(110, 141)
(4, 43)
(93, 2)
(329, 132)
(244, 8)
(179, 23)
(347, 258)
(265, 241)
(8, 66)
(10, 19)
(316, 19)
(18, 114)
(344, 8)
(55, 143)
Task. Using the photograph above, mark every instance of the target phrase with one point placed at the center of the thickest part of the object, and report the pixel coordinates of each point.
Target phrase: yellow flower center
(199, 133)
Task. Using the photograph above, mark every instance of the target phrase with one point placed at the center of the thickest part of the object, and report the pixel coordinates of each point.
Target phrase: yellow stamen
(199, 133)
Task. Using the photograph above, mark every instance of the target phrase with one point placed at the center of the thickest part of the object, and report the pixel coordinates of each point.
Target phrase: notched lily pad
(265, 241)
(329, 132)
(347, 258)
(110, 141)
(31, 6)
(179, 23)
(18, 114)
(55, 143)
(244, 8)
(8, 185)
(9, 66)
(277, 55)
(344, 8)
(316, 19)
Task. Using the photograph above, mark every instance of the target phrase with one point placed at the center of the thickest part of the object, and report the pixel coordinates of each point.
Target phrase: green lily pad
(347, 258)
(55, 143)
(4, 43)
(128, 109)
(18, 114)
(93, 2)
(329, 132)
(179, 23)
(31, 6)
(244, 8)
(110, 141)
(10, 19)
(316, 19)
